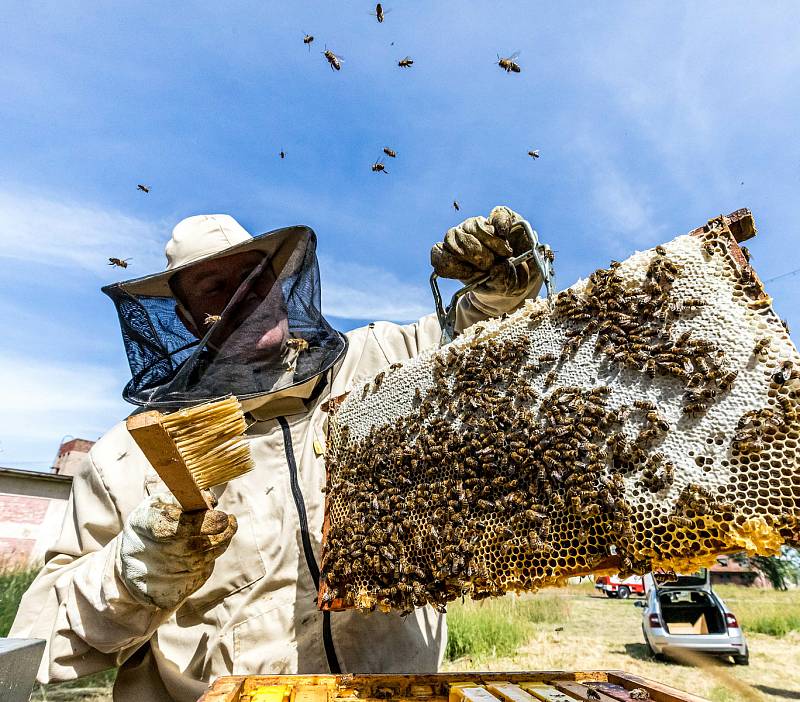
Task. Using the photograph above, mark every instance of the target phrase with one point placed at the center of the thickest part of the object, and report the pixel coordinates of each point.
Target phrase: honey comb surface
(647, 420)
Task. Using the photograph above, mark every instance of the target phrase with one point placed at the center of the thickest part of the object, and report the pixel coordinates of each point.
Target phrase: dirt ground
(600, 633)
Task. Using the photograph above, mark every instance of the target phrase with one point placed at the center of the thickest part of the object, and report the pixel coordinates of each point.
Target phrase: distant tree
(778, 570)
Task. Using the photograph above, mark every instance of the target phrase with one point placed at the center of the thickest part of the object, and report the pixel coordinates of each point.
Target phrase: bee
(509, 65)
(761, 304)
(297, 343)
(785, 325)
(334, 60)
(212, 318)
(783, 374)
(694, 302)
(307, 40)
(761, 345)
(644, 405)
(695, 408)
(282, 153)
(682, 522)
(406, 62)
(119, 262)
(391, 153)
(727, 380)
(379, 13)
(456, 206)
(378, 167)
(378, 380)
(709, 248)
(143, 188)
(551, 377)
(534, 155)
(660, 250)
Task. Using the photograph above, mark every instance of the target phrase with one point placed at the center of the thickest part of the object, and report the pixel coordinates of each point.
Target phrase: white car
(687, 614)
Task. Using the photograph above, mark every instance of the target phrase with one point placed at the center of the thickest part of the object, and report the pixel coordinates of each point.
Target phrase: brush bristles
(209, 439)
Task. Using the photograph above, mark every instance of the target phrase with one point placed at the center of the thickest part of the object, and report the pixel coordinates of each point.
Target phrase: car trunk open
(691, 612)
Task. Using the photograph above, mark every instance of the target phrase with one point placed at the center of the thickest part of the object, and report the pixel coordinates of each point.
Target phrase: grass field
(598, 633)
(569, 629)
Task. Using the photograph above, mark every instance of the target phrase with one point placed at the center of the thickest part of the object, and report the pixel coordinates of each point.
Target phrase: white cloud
(625, 204)
(66, 234)
(356, 291)
(45, 400)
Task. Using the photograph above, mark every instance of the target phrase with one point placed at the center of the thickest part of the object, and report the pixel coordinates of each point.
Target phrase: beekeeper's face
(205, 289)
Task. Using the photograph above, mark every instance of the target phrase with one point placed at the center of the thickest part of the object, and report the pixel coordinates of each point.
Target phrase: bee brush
(194, 448)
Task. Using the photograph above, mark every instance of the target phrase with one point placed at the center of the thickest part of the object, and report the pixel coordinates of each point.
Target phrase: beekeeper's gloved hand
(480, 246)
(165, 554)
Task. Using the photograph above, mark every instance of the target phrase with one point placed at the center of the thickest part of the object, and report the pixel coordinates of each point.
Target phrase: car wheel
(744, 659)
(658, 656)
(610, 594)
(624, 592)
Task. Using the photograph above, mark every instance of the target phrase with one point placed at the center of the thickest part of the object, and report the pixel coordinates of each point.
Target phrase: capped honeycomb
(646, 419)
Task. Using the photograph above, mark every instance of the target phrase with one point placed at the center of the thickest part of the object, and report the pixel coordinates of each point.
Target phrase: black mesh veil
(171, 367)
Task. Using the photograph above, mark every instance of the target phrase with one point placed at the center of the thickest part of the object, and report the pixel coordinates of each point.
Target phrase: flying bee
(334, 60)
(534, 154)
(282, 153)
(378, 167)
(509, 65)
(391, 153)
(406, 62)
(308, 40)
(143, 188)
(118, 262)
(380, 13)
(211, 319)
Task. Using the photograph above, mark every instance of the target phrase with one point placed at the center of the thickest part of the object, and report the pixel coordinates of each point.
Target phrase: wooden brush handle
(159, 448)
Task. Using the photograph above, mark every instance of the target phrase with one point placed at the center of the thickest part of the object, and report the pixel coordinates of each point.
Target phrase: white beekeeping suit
(174, 619)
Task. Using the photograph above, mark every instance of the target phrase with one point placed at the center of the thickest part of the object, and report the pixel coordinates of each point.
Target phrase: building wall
(32, 507)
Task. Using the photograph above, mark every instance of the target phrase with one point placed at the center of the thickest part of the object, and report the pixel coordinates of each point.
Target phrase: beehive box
(646, 420)
(551, 686)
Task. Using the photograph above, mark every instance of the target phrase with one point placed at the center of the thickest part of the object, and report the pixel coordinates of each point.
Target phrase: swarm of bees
(503, 473)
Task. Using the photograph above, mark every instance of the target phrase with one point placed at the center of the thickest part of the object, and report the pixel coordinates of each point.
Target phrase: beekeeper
(176, 600)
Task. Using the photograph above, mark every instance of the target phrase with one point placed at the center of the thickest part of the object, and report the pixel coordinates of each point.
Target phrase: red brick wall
(22, 509)
(15, 552)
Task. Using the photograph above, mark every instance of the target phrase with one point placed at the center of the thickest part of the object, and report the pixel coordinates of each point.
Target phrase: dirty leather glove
(166, 554)
(480, 246)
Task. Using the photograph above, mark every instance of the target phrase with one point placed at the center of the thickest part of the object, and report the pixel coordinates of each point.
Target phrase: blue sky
(650, 118)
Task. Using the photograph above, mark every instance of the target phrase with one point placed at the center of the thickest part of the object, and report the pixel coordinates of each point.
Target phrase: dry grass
(599, 633)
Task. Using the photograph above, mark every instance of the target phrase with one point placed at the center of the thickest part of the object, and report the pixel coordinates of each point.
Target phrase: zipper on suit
(305, 537)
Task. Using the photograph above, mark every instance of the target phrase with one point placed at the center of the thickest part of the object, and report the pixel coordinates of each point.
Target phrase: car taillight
(731, 620)
(655, 622)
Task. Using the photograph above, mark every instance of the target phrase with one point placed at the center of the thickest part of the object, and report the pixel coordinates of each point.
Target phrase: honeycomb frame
(647, 420)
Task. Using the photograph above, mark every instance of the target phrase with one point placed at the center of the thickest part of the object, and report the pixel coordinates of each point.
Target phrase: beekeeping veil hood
(171, 367)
